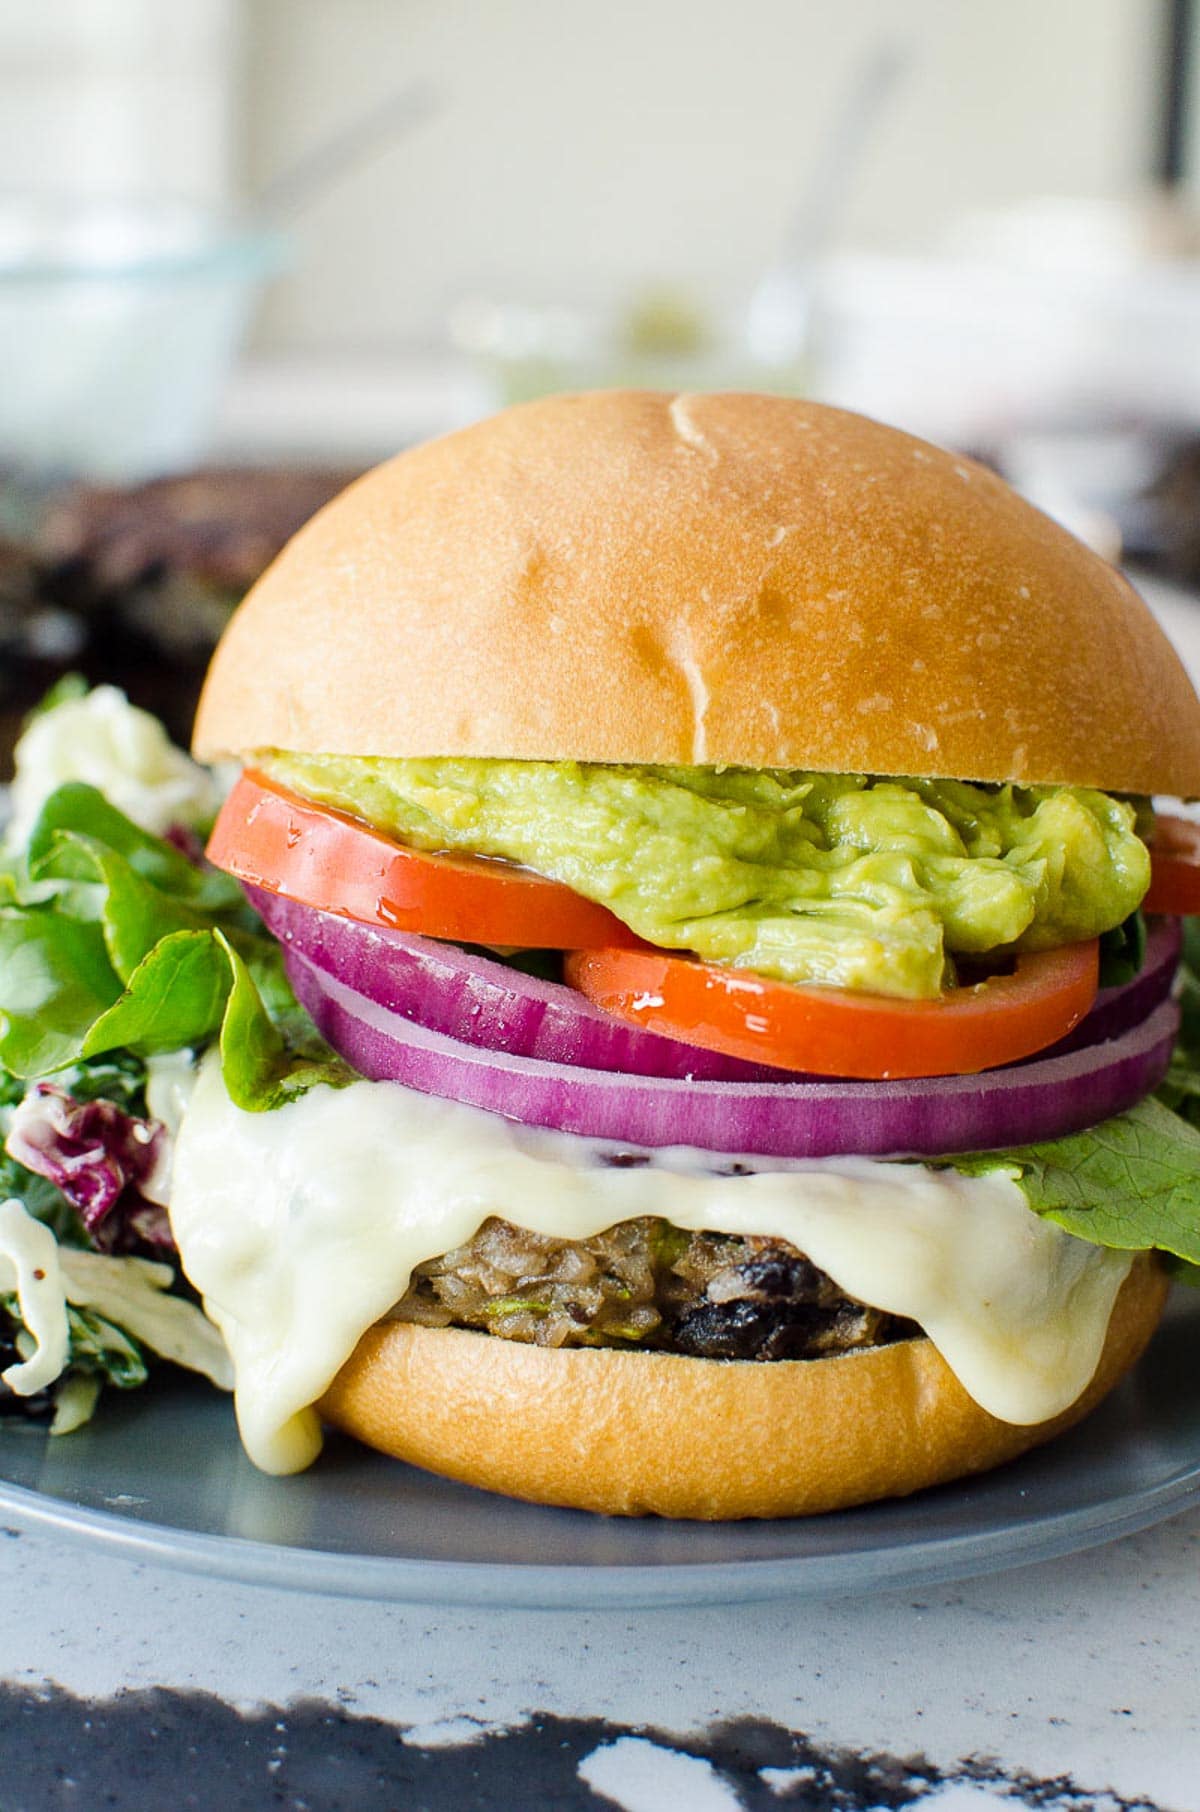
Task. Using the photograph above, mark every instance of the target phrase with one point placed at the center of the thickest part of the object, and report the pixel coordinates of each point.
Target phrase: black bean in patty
(648, 1284)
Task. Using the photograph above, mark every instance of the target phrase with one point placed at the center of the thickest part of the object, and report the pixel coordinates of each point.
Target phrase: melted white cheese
(301, 1228)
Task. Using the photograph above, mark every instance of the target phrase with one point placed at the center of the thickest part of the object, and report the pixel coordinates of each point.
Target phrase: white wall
(118, 97)
(587, 147)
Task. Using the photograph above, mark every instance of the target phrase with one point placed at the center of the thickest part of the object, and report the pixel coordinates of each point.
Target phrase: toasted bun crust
(630, 1433)
(628, 576)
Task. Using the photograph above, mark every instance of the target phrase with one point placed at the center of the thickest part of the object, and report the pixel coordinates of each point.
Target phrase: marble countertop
(1067, 1686)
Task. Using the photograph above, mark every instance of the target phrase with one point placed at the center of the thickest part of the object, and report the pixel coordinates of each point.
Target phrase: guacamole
(860, 883)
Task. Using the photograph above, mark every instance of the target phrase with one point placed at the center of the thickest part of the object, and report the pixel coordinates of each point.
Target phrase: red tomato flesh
(274, 839)
(1174, 868)
(832, 1032)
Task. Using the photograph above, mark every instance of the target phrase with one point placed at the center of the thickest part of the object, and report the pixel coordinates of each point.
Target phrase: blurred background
(249, 246)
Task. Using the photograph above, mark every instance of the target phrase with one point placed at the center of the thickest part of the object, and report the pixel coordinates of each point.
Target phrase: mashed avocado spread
(856, 882)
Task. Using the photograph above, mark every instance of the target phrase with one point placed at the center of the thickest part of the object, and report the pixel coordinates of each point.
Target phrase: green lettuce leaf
(78, 811)
(174, 999)
(57, 979)
(112, 941)
(262, 1068)
(1132, 1182)
(194, 986)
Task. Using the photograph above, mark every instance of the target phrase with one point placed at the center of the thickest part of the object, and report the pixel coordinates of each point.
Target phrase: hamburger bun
(629, 1433)
(739, 580)
(745, 580)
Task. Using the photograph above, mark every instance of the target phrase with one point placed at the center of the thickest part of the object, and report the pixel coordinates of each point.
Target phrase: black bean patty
(646, 1283)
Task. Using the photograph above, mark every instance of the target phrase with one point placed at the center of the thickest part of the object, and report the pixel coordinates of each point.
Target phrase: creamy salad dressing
(30, 1271)
(301, 1228)
(132, 1293)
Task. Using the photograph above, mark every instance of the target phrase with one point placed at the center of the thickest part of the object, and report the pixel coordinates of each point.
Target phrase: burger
(797, 1166)
(712, 838)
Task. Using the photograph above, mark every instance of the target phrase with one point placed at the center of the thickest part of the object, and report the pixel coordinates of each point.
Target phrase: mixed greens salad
(123, 956)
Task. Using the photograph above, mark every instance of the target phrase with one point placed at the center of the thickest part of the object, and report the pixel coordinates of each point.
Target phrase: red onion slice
(1043, 1098)
(471, 998)
(477, 1001)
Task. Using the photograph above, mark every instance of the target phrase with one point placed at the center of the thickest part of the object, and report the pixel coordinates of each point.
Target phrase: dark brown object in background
(134, 586)
(220, 526)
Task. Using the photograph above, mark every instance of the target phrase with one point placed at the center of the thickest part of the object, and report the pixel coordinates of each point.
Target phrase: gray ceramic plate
(160, 1476)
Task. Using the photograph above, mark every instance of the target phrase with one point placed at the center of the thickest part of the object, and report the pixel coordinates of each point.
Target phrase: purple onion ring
(1042, 1098)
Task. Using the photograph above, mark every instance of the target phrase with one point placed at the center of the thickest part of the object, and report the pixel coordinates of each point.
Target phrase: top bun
(748, 581)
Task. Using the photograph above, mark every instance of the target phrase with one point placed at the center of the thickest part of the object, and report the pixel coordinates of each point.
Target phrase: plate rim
(562, 1586)
(1008, 1534)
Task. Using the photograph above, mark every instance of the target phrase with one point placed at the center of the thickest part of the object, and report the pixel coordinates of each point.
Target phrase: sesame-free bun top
(628, 576)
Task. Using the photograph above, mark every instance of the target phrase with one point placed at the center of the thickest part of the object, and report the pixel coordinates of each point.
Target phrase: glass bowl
(118, 324)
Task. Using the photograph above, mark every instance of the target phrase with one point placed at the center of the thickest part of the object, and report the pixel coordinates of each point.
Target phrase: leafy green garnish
(1132, 1182)
(99, 1346)
(261, 1066)
(112, 941)
(57, 981)
(174, 998)
(67, 687)
(1123, 951)
(78, 811)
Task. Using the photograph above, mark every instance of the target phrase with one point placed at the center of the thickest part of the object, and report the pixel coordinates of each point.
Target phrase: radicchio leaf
(111, 1166)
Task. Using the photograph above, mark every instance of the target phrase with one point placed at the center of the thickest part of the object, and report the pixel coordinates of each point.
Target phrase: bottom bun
(634, 1433)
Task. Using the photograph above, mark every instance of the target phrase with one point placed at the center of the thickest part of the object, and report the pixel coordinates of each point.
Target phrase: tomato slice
(832, 1032)
(272, 838)
(1174, 868)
